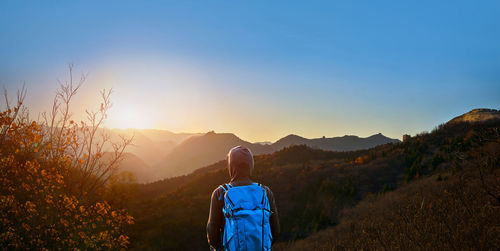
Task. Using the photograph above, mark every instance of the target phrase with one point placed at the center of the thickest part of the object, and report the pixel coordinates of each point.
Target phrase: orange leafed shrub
(361, 160)
(39, 207)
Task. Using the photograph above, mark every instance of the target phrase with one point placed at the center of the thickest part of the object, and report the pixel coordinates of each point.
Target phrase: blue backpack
(246, 212)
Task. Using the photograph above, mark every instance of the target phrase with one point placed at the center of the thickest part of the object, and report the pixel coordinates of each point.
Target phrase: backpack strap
(226, 188)
(264, 192)
(262, 202)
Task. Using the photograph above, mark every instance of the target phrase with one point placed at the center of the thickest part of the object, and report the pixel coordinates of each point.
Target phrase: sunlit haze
(259, 69)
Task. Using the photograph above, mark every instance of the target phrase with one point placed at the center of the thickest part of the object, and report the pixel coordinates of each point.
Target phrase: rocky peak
(477, 115)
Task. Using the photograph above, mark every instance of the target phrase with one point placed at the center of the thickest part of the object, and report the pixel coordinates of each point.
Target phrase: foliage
(426, 215)
(85, 143)
(459, 211)
(121, 188)
(310, 192)
(314, 189)
(51, 182)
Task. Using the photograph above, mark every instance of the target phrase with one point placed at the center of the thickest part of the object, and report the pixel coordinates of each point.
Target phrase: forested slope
(313, 188)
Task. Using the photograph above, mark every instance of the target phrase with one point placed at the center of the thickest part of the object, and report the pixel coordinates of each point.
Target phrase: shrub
(51, 181)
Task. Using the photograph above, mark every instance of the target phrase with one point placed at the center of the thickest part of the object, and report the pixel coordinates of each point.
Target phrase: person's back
(248, 208)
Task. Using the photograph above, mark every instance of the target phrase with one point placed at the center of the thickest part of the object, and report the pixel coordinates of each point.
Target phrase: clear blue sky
(261, 69)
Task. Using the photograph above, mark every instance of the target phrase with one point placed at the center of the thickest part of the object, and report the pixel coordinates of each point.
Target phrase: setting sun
(126, 116)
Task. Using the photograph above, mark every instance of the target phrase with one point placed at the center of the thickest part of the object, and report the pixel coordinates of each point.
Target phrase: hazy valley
(159, 154)
(350, 199)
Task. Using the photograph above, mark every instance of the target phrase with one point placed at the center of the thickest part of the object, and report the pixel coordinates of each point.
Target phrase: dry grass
(429, 214)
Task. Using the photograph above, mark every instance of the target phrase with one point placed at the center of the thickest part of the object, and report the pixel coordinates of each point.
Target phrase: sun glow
(127, 116)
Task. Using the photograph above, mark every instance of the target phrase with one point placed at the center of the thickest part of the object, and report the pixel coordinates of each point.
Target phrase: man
(240, 165)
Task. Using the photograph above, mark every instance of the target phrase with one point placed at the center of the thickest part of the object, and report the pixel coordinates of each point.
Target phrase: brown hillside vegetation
(199, 151)
(317, 190)
(59, 189)
(429, 214)
(477, 115)
(453, 210)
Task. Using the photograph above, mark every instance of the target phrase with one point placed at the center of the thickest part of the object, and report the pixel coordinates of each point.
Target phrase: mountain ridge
(192, 151)
(477, 115)
(317, 190)
(198, 151)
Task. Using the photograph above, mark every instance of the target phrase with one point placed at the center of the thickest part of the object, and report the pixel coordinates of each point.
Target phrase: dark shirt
(215, 225)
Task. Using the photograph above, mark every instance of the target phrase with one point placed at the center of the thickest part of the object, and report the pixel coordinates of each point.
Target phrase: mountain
(477, 115)
(289, 140)
(164, 135)
(437, 189)
(345, 143)
(171, 154)
(148, 144)
(131, 163)
(199, 151)
(264, 143)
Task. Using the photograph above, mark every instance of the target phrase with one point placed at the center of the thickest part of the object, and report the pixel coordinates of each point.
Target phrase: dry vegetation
(436, 190)
(59, 190)
(426, 215)
(52, 179)
(448, 211)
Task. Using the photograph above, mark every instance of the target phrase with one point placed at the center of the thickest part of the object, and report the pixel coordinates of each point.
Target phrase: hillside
(317, 189)
(149, 145)
(199, 151)
(344, 143)
(131, 163)
(164, 135)
(477, 115)
(433, 213)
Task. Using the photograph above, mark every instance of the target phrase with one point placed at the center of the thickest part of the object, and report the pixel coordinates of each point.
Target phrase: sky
(259, 69)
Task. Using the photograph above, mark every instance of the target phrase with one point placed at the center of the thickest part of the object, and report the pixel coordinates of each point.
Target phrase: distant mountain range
(200, 151)
(344, 143)
(131, 163)
(165, 154)
(329, 200)
(150, 145)
(159, 154)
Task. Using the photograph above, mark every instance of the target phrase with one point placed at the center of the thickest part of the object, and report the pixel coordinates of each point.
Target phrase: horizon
(262, 70)
(254, 142)
(310, 125)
